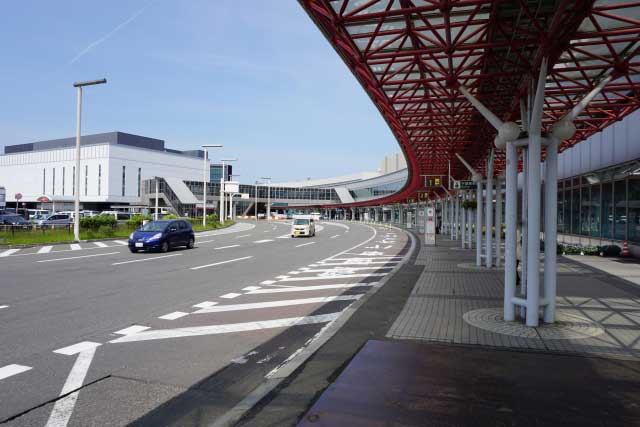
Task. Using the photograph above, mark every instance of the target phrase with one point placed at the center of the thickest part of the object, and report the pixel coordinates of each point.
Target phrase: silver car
(56, 219)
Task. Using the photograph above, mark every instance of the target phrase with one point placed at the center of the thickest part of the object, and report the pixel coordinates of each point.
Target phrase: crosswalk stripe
(11, 370)
(312, 288)
(282, 303)
(121, 242)
(45, 249)
(100, 244)
(193, 331)
(75, 247)
(8, 252)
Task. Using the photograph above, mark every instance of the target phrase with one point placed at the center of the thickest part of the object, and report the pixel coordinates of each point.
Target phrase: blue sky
(254, 75)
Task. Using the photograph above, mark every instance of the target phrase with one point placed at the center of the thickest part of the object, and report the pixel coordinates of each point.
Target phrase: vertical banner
(430, 228)
(409, 220)
(421, 221)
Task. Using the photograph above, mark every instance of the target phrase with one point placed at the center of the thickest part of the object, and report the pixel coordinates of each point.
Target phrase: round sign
(43, 199)
(18, 196)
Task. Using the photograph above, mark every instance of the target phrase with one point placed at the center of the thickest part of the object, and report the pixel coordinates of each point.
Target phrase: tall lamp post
(76, 218)
(222, 201)
(205, 180)
(268, 179)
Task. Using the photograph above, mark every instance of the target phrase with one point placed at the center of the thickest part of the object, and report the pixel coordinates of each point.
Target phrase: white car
(303, 227)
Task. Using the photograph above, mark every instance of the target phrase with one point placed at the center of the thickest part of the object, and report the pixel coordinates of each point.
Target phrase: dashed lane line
(230, 295)
(173, 316)
(263, 241)
(226, 328)
(3, 306)
(8, 252)
(13, 369)
(221, 262)
(333, 237)
(77, 257)
(244, 235)
(272, 304)
(305, 244)
(331, 277)
(121, 242)
(225, 247)
(145, 259)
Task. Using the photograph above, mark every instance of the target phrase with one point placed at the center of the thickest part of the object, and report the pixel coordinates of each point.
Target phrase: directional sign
(231, 187)
(464, 185)
(18, 196)
(432, 182)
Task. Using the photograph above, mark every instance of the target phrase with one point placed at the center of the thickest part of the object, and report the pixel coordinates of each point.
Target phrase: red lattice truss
(411, 55)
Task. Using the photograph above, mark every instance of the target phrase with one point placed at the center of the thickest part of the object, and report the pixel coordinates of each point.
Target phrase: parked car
(162, 235)
(14, 220)
(55, 219)
(303, 227)
(37, 212)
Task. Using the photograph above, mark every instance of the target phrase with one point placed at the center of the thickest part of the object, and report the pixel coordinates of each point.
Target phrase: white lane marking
(268, 282)
(283, 286)
(263, 241)
(145, 259)
(77, 257)
(225, 247)
(336, 224)
(331, 276)
(347, 270)
(63, 409)
(132, 330)
(244, 235)
(121, 242)
(221, 262)
(226, 328)
(100, 244)
(266, 231)
(251, 288)
(3, 306)
(388, 247)
(11, 370)
(281, 277)
(373, 258)
(205, 241)
(305, 244)
(173, 316)
(333, 237)
(205, 304)
(75, 247)
(355, 262)
(77, 348)
(312, 288)
(284, 236)
(282, 303)
(294, 272)
(45, 249)
(8, 252)
(230, 295)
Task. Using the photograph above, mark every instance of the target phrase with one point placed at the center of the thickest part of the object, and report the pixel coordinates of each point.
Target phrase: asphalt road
(95, 335)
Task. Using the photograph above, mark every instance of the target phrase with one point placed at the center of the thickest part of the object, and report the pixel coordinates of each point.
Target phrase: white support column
(470, 221)
(498, 226)
(452, 218)
(463, 221)
(489, 208)
(511, 235)
(533, 208)
(550, 229)
(456, 226)
(524, 229)
(479, 223)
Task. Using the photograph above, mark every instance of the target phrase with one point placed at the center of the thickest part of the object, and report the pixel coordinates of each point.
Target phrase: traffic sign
(18, 196)
(464, 185)
(43, 199)
(432, 182)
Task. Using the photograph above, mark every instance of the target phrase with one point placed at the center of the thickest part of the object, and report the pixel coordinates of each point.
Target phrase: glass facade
(603, 205)
(377, 190)
(295, 193)
(215, 172)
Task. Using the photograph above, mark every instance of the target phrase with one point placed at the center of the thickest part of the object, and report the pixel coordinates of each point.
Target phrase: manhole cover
(568, 326)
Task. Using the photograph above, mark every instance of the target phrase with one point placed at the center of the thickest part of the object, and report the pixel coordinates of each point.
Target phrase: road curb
(235, 414)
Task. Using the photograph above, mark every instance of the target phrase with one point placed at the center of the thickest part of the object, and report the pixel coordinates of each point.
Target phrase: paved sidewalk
(627, 269)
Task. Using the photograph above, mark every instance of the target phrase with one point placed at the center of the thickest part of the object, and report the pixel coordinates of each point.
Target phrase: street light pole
(268, 196)
(204, 181)
(76, 219)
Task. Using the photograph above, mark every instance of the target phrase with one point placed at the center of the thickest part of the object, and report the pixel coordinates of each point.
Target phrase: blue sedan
(162, 235)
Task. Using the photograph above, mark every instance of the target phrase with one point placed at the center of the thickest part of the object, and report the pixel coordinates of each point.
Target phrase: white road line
(284, 236)
(263, 241)
(132, 330)
(331, 277)
(339, 269)
(230, 295)
(75, 247)
(374, 258)
(305, 244)
(226, 328)
(45, 249)
(244, 235)
(205, 304)
(8, 252)
(333, 237)
(221, 262)
(281, 277)
(63, 409)
(173, 316)
(6, 306)
(205, 241)
(268, 282)
(225, 247)
(121, 242)
(361, 262)
(251, 288)
(266, 231)
(312, 288)
(77, 257)
(145, 259)
(100, 244)
(282, 303)
(11, 370)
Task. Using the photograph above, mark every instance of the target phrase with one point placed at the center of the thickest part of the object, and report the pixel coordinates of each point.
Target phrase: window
(74, 181)
(634, 208)
(99, 179)
(575, 210)
(53, 182)
(620, 203)
(44, 180)
(139, 180)
(86, 179)
(63, 178)
(595, 211)
(561, 226)
(606, 217)
(585, 204)
(124, 175)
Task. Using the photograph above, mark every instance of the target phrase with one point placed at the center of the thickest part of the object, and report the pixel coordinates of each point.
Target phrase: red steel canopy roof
(411, 55)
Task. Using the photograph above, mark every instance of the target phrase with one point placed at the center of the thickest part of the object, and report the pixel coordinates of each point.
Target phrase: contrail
(109, 34)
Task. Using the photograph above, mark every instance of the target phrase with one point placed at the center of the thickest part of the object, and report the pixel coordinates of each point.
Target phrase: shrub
(136, 220)
(95, 222)
(169, 216)
(106, 230)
